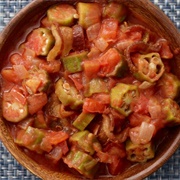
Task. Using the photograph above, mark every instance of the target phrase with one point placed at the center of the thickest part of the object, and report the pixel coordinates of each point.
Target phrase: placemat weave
(10, 169)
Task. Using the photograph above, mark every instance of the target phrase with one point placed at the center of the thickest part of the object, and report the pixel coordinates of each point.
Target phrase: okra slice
(72, 62)
(41, 41)
(86, 141)
(14, 106)
(97, 85)
(68, 94)
(30, 138)
(169, 86)
(171, 112)
(139, 152)
(115, 10)
(89, 14)
(81, 162)
(64, 14)
(121, 97)
(83, 120)
(149, 67)
(37, 81)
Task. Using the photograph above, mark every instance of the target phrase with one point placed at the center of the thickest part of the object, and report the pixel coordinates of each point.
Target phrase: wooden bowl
(144, 10)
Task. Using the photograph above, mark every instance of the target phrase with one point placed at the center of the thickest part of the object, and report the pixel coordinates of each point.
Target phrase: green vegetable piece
(115, 10)
(86, 141)
(96, 85)
(89, 14)
(30, 138)
(171, 112)
(82, 162)
(83, 120)
(121, 97)
(72, 63)
(68, 94)
(37, 81)
(64, 14)
(149, 67)
(169, 86)
(139, 152)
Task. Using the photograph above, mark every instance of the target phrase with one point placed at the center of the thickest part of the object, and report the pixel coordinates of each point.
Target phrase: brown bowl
(144, 10)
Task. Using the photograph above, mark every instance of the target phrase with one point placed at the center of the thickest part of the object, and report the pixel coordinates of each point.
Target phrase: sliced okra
(169, 86)
(72, 62)
(115, 10)
(67, 94)
(171, 112)
(121, 97)
(139, 152)
(83, 120)
(149, 67)
(89, 14)
(82, 162)
(86, 141)
(63, 14)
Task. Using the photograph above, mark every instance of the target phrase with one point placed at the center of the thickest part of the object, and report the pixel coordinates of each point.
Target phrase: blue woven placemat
(10, 169)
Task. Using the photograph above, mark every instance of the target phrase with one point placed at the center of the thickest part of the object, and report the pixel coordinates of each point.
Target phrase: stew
(90, 89)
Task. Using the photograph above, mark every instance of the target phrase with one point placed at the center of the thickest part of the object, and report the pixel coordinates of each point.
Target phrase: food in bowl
(90, 88)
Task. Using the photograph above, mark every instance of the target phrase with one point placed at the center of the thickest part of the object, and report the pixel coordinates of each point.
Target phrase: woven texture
(10, 169)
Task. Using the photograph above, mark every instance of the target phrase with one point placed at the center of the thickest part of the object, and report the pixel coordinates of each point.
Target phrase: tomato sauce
(90, 89)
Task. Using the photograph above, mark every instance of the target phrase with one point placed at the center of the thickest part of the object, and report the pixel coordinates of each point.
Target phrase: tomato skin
(93, 106)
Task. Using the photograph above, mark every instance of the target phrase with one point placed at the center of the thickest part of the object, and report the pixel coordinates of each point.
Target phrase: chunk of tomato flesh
(36, 102)
(93, 106)
(109, 29)
(108, 61)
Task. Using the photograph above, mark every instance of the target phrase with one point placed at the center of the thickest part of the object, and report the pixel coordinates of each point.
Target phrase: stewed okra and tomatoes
(89, 88)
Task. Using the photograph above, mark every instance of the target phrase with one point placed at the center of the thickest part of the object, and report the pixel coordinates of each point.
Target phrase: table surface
(10, 169)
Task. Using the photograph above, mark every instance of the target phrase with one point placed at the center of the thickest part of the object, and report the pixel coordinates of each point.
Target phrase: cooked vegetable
(90, 88)
(36, 81)
(171, 111)
(169, 86)
(78, 38)
(39, 140)
(86, 141)
(122, 95)
(14, 105)
(56, 50)
(139, 152)
(149, 67)
(115, 10)
(89, 14)
(97, 85)
(64, 14)
(41, 41)
(83, 120)
(72, 62)
(67, 94)
(67, 38)
(82, 162)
